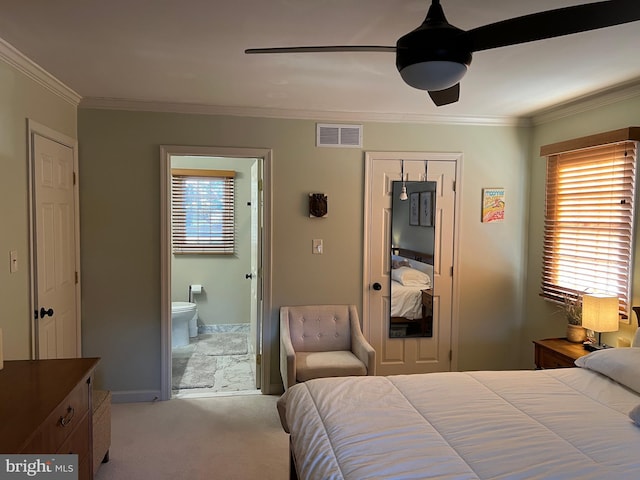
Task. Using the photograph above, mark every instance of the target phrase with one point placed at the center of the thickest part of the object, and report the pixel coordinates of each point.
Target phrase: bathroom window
(202, 211)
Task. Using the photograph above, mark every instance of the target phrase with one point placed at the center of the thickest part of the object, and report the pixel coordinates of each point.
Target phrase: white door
(256, 281)
(55, 316)
(416, 354)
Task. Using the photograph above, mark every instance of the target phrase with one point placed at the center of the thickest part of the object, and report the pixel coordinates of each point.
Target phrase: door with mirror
(408, 264)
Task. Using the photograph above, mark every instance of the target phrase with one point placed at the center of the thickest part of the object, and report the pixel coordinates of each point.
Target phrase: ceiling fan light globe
(433, 75)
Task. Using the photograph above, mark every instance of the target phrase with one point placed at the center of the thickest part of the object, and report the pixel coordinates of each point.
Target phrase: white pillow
(410, 277)
(400, 263)
(619, 364)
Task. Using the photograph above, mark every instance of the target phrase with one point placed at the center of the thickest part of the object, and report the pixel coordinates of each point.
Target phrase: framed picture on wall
(414, 209)
(492, 205)
(426, 209)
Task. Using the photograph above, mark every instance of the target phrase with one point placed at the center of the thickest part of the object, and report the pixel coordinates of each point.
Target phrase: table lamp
(600, 314)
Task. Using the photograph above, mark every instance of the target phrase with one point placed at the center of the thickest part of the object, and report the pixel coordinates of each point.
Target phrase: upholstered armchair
(322, 341)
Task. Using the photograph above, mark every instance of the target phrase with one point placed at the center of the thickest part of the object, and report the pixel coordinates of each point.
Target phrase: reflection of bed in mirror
(411, 294)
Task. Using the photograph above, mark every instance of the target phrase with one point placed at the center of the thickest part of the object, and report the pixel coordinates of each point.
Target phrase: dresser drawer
(551, 359)
(557, 353)
(62, 422)
(77, 442)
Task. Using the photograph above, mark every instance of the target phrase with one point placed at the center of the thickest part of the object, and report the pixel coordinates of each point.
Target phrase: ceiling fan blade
(553, 23)
(446, 96)
(321, 49)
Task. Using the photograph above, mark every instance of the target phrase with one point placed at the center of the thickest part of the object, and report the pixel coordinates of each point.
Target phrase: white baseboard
(133, 396)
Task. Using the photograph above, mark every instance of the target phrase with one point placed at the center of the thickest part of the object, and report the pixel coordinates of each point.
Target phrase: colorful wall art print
(492, 205)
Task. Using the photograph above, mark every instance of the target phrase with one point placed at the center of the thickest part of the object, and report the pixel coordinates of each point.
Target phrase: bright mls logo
(51, 467)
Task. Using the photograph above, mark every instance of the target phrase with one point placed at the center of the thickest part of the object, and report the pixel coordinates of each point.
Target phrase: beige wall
(491, 256)
(542, 319)
(21, 99)
(119, 160)
(499, 311)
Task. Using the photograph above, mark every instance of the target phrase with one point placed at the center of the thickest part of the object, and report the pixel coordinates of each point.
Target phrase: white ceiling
(191, 52)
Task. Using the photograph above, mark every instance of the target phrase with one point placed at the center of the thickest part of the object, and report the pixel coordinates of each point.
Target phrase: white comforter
(548, 424)
(406, 301)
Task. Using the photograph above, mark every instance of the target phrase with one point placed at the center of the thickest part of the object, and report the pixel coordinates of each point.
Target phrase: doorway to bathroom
(214, 263)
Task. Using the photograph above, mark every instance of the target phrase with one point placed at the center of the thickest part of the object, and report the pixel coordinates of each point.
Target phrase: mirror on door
(411, 259)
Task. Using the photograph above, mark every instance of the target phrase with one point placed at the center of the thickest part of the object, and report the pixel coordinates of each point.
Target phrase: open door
(256, 275)
(257, 272)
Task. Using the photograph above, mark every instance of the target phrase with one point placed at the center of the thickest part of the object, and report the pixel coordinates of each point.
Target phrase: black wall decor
(317, 205)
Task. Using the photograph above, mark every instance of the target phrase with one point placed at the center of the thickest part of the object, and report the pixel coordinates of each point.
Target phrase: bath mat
(222, 344)
(235, 373)
(195, 372)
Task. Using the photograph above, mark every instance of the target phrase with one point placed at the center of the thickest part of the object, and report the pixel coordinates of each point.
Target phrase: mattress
(560, 424)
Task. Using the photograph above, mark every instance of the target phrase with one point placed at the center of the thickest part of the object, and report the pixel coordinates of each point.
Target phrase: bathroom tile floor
(213, 363)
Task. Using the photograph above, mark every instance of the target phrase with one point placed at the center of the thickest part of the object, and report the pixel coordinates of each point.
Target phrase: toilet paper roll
(196, 289)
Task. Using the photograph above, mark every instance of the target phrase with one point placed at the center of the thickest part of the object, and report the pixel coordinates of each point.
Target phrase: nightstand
(557, 353)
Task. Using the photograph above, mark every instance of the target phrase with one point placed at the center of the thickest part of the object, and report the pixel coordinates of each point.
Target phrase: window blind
(202, 211)
(588, 226)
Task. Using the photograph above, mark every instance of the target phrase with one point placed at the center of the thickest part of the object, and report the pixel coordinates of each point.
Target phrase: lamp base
(592, 347)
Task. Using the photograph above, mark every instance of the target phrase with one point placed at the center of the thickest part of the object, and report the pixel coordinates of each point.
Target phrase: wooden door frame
(166, 152)
(35, 128)
(373, 156)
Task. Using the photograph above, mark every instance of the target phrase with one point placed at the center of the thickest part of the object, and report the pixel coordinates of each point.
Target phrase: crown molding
(591, 101)
(329, 116)
(35, 72)
(10, 55)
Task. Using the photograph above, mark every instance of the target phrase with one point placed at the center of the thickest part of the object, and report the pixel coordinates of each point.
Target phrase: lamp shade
(600, 312)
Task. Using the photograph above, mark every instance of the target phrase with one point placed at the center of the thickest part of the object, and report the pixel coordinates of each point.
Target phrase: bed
(562, 424)
(406, 300)
(409, 278)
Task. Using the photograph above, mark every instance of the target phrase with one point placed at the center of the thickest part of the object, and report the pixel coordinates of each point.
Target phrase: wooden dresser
(46, 407)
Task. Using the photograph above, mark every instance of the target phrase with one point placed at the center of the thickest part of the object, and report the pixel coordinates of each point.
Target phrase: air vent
(328, 135)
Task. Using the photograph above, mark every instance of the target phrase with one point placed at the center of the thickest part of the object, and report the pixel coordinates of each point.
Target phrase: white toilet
(184, 323)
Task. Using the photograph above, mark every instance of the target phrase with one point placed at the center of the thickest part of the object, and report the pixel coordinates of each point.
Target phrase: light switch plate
(317, 246)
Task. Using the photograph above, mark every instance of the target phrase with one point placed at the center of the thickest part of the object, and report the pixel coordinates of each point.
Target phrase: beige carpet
(234, 437)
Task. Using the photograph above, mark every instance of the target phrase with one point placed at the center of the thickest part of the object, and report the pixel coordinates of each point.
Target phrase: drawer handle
(66, 420)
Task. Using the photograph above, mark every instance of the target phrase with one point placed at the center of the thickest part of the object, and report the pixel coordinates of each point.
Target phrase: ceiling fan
(435, 56)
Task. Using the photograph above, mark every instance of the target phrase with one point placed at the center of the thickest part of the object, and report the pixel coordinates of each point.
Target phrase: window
(202, 211)
(588, 241)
